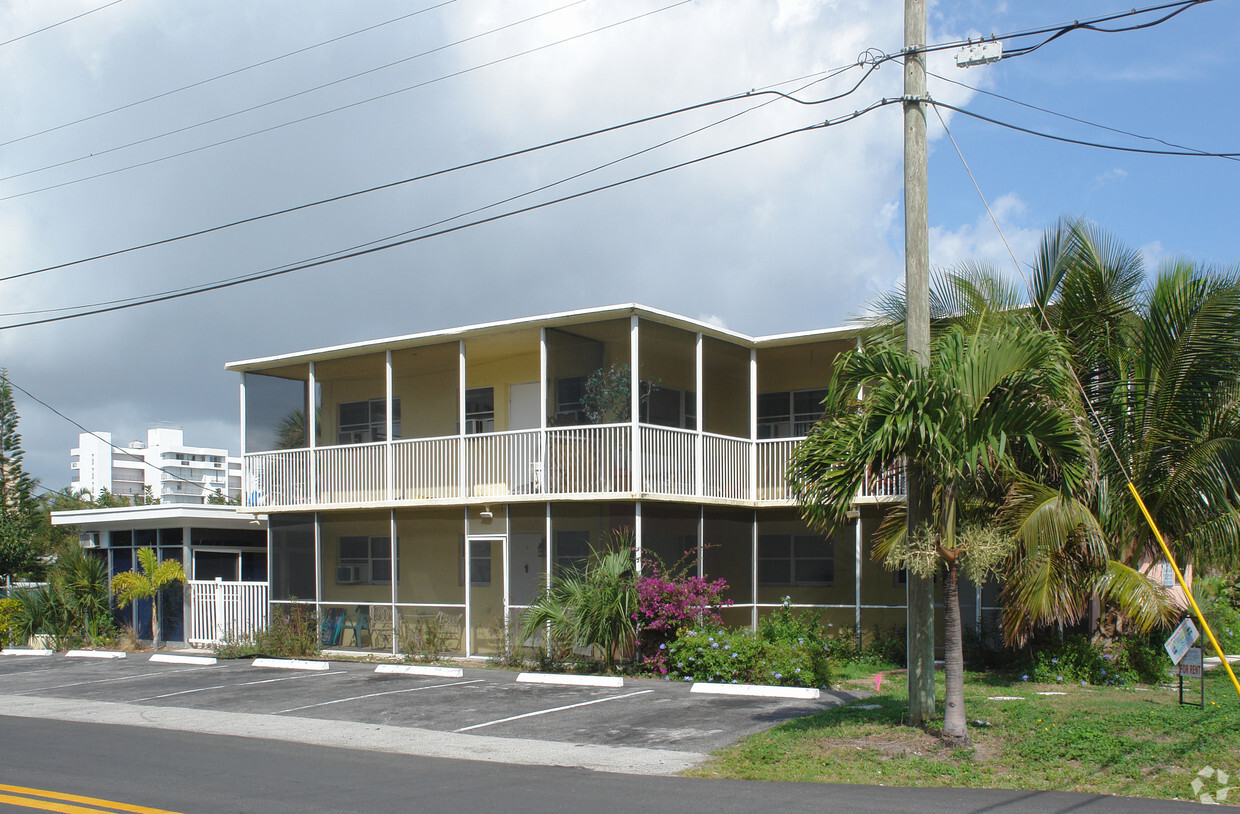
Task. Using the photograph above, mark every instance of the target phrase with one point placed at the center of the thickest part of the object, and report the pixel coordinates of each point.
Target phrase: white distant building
(175, 473)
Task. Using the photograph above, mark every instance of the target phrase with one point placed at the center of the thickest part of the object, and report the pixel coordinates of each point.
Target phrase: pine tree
(18, 507)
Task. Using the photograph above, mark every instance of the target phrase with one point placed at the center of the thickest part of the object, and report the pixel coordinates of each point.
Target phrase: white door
(523, 401)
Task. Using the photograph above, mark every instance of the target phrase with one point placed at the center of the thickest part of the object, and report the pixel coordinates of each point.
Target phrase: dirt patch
(912, 743)
(888, 745)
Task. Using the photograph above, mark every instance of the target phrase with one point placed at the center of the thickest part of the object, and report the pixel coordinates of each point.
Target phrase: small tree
(596, 607)
(155, 575)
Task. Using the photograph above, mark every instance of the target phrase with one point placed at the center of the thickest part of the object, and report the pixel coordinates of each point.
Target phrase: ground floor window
(480, 563)
(795, 559)
(364, 560)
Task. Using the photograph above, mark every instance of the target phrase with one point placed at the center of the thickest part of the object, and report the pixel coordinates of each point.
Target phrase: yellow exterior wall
(431, 546)
(500, 374)
(798, 367)
(350, 524)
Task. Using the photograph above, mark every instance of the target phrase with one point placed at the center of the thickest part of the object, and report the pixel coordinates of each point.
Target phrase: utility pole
(917, 341)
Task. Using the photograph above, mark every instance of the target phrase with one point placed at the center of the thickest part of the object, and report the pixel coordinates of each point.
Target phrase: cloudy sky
(144, 120)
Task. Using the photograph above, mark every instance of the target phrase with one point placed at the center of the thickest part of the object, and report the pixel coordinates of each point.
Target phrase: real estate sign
(1182, 639)
(1190, 665)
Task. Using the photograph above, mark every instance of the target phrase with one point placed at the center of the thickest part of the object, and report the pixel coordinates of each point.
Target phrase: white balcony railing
(556, 462)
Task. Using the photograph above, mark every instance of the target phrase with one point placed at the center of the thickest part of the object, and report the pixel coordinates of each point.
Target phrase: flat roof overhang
(556, 320)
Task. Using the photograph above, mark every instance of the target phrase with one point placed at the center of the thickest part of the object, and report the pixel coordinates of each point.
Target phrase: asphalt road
(188, 772)
(233, 737)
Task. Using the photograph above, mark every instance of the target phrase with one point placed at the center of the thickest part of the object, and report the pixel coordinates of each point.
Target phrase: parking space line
(553, 709)
(237, 684)
(377, 694)
(118, 678)
(28, 672)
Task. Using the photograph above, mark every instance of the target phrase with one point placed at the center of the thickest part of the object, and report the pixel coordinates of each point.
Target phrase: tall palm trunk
(155, 621)
(955, 724)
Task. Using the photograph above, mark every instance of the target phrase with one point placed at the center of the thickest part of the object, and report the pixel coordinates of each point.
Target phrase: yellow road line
(65, 807)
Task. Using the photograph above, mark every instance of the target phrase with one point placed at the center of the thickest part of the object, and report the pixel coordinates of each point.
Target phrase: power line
(821, 77)
(1076, 119)
(62, 22)
(875, 58)
(226, 74)
(252, 108)
(504, 215)
(459, 167)
(1081, 142)
(349, 106)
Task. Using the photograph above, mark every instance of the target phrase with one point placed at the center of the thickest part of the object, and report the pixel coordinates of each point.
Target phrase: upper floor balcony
(558, 463)
(620, 402)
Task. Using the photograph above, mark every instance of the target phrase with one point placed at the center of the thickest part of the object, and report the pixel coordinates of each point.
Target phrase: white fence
(218, 609)
(558, 461)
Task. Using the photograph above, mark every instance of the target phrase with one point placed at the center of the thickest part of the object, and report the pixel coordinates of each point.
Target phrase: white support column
(245, 470)
(857, 595)
(544, 385)
(637, 536)
(389, 469)
(395, 578)
(469, 628)
(460, 418)
(318, 562)
(701, 542)
(753, 425)
(311, 421)
(506, 549)
(547, 531)
(699, 462)
(635, 385)
(753, 570)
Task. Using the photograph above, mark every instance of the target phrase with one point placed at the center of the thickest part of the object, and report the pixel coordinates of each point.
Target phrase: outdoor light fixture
(486, 514)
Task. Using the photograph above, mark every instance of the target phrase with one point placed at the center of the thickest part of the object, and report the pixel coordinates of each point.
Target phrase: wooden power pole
(917, 341)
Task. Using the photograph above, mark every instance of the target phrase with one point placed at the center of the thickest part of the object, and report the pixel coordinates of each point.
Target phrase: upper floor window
(795, 559)
(789, 413)
(669, 407)
(479, 410)
(569, 409)
(364, 421)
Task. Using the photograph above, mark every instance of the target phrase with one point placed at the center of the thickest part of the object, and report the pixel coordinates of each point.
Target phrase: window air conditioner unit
(89, 539)
(348, 574)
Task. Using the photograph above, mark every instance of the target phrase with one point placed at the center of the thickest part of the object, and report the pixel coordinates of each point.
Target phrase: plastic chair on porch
(333, 623)
(356, 623)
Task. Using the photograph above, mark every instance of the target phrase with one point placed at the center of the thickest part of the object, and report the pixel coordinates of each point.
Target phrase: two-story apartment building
(450, 474)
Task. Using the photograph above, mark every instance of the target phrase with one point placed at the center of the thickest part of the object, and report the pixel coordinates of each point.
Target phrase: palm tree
(1160, 368)
(596, 607)
(987, 405)
(155, 575)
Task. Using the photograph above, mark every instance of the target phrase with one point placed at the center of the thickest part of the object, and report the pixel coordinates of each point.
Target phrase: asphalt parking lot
(647, 714)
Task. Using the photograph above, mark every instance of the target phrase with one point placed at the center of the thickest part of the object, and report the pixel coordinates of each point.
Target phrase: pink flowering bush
(668, 603)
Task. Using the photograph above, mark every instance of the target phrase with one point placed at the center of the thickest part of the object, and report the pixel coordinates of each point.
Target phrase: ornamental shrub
(1224, 620)
(1077, 659)
(669, 600)
(744, 657)
(782, 625)
(8, 610)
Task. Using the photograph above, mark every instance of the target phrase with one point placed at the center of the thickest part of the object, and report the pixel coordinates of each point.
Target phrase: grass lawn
(1129, 741)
